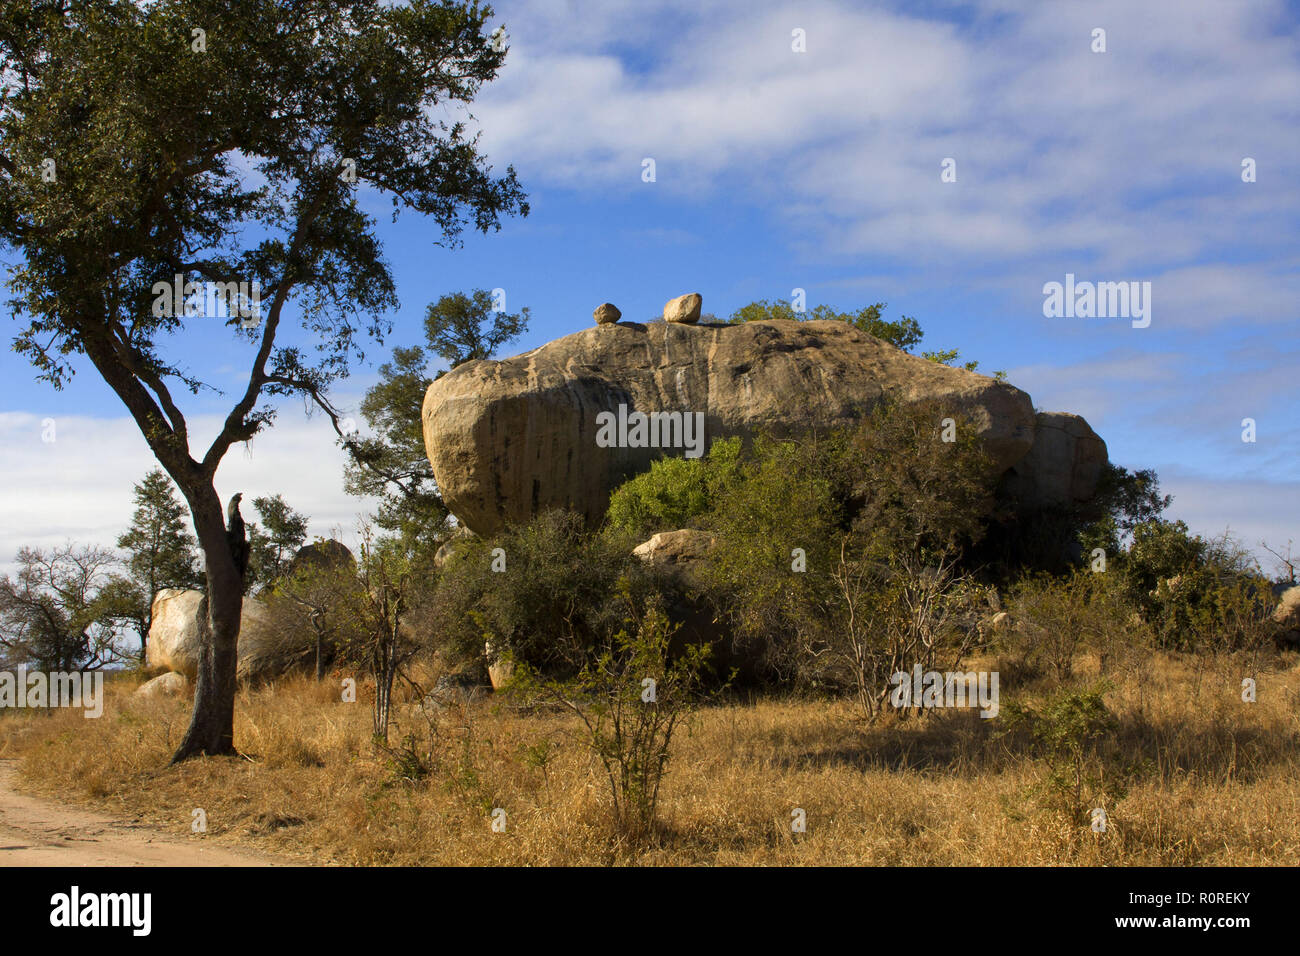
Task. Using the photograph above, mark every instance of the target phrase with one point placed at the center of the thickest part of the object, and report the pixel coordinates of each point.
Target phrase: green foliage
(673, 494)
(904, 333)
(631, 698)
(1197, 594)
(392, 463)
(159, 552)
(272, 546)
(461, 328)
(780, 511)
(1124, 500)
(779, 498)
(1071, 731)
(550, 602)
(910, 488)
(1055, 616)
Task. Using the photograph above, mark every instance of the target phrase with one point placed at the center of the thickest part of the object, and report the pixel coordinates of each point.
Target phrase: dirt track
(35, 831)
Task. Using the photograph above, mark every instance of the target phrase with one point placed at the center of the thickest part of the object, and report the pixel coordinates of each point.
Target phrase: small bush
(631, 699)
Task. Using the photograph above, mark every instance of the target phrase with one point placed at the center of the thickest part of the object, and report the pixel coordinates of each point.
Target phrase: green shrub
(673, 494)
(1073, 732)
(549, 603)
(631, 698)
(1055, 616)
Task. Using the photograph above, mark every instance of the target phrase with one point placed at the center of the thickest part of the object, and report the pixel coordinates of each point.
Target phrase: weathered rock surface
(672, 549)
(508, 439)
(322, 554)
(606, 313)
(500, 669)
(1062, 466)
(174, 636)
(448, 548)
(170, 684)
(174, 631)
(1287, 616)
(684, 308)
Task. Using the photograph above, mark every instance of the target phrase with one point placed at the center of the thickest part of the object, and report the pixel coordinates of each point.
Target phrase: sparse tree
(283, 532)
(237, 163)
(54, 614)
(159, 553)
(461, 328)
(392, 462)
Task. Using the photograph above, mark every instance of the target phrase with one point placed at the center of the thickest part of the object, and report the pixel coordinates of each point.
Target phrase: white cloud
(1125, 161)
(78, 487)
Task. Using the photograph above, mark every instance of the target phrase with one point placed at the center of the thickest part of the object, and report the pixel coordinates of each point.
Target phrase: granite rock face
(508, 439)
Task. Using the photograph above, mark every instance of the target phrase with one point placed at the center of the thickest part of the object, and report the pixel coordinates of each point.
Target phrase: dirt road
(35, 831)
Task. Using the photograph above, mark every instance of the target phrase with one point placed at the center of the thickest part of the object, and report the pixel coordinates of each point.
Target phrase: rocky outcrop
(326, 553)
(1062, 466)
(675, 549)
(449, 547)
(508, 439)
(170, 684)
(1287, 617)
(174, 631)
(175, 628)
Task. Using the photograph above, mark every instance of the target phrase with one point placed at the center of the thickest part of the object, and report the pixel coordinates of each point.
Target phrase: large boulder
(684, 308)
(510, 438)
(174, 631)
(319, 555)
(1062, 466)
(174, 636)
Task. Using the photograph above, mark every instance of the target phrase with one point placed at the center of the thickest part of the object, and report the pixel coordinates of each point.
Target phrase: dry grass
(1217, 780)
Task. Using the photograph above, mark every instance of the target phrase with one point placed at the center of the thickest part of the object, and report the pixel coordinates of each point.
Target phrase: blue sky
(821, 170)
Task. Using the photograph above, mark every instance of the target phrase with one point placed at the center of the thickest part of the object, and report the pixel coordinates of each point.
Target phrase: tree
(631, 697)
(904, 332)
(224, 144)
(54, 613)
(285, 531)
(393, 464)
(374, 630)
(455, 326)
(159, 553)
(324, 593)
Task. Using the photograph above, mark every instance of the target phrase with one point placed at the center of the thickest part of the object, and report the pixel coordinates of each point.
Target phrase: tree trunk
(212, 725)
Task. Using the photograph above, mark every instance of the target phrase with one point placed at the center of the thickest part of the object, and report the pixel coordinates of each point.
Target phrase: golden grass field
(1219, 784)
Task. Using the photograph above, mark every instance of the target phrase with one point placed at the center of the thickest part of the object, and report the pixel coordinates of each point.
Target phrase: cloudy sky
(778, 168)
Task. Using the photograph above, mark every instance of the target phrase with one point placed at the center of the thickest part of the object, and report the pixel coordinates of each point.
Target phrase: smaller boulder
(1287, 616)
(684, 308)
(607, 313)
(448, 548)
(671, 549)
(500, 670)
(170, 684)
(326, 553)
